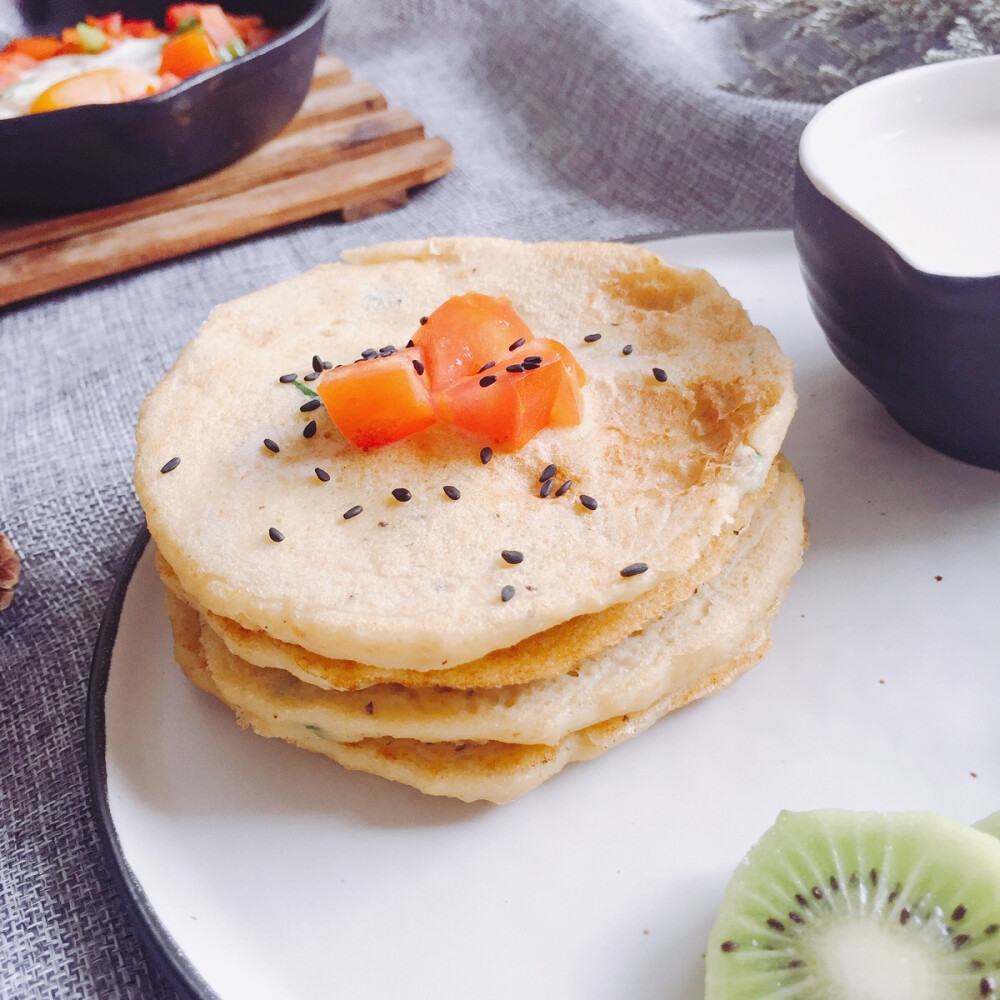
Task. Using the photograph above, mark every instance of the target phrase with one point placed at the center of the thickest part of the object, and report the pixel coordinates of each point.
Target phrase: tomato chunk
(379, 401)
(465, 333)
(510, 407)
(99, 86)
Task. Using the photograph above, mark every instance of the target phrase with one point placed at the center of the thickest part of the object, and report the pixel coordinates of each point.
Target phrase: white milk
(916, 157)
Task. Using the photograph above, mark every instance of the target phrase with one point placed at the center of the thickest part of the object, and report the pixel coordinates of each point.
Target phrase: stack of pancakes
(473, 646)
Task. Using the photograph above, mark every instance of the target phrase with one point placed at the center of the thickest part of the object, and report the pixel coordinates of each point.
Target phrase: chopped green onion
(304, 389)
(235, 49)
(91, 39)
(186, 25)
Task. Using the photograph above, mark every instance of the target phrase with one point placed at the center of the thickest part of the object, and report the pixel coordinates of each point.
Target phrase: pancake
(497, 743)
(416, 586)
(546, 654)
(671, 652)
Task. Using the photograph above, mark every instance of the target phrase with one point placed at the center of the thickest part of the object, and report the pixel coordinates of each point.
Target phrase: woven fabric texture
(597, 119)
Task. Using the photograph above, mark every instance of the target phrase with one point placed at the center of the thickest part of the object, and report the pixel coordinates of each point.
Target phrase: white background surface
(281, 875)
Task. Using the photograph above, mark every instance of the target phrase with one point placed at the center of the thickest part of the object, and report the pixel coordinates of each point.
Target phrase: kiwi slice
(840, 905)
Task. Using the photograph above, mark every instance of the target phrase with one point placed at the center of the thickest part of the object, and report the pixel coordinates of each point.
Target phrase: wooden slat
(330, 71)
(72, 261)
(325, 104)
(292, 153)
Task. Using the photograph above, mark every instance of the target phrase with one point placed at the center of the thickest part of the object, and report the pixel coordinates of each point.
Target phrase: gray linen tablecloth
(570, 119)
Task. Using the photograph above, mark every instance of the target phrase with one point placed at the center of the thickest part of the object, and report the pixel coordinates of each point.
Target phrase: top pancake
(417, 584)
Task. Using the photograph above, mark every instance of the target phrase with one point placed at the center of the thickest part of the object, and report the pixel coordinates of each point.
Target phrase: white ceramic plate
(256, 870)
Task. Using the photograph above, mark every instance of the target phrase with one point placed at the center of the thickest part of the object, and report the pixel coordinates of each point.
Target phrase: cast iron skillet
(99, 154)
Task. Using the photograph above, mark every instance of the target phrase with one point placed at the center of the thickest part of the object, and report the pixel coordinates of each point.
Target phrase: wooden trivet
(345, 151)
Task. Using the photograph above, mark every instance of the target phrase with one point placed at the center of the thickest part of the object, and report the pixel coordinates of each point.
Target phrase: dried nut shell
(10, 571)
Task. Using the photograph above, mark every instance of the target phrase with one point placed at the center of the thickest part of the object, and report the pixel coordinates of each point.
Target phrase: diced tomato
(178, 12)
(511, 410)
(99, 86)
(189, 53)
(379, 401)
(567, 410)
(211, 17)
(134, 28)
(110, 24)
(251, 28)
(13, 65)
(36, 46)
(465, 333)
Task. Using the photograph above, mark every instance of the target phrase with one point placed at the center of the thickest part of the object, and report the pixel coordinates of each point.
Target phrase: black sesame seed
(589, 502)
(546, 489)
(728, 946)
(271, 445)
(369, 354)
(402, 494)
(423, 319)
(452, 492)
(327, 365)
(591, 338)
(370, 708)
(485, 455)
(290, 377)
(532, 359)
(660, 375)
(507, 593)
(514, 369)
(384, 352)
(418, 366)
(512, 556)
(322, 475)
(309, 405)
(317, 363)
(311, 376)
(487, 380)
(565, 488)
(309, 430)
(486, 367)
(548, 472)
(634, 569)
(520, 342)
(353, 512)
(530, 366)
(171, 465)
(409, 343)
(275, 535)
(627, 349)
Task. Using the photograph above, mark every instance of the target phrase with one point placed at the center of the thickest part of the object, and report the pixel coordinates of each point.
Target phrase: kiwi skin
(842, 905)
